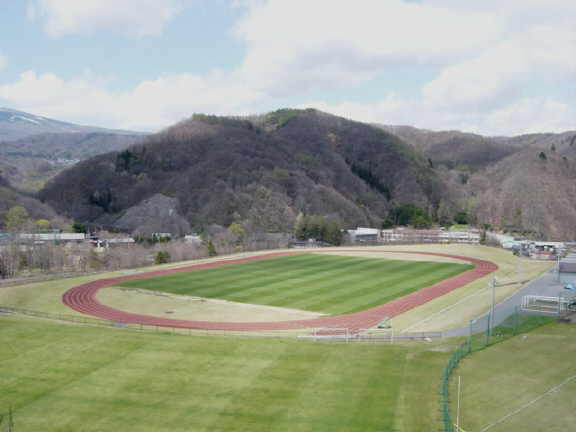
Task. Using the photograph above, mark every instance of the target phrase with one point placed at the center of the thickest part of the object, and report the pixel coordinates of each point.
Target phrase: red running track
(83, 299)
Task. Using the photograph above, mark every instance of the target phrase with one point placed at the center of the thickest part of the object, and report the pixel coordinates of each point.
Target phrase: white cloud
(302, 44)
(151, 105)
(526, 115)
(167, 99)
(485, 59)
(130, 17)
(501, 72)
(487, 53)
(3, 62)
(531, 115)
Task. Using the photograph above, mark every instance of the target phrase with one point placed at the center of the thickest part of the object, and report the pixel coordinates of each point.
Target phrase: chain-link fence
(86, 320)
(482, 333)
(315, 334)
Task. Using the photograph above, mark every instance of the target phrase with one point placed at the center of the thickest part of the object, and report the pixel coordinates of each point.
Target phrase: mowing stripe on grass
(259, 278)
(93, 380)
(380, 291)
(319, 283)
(82, 299)
(285, 291)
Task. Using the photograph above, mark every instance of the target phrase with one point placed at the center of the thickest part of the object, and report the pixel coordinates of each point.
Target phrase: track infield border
(82, 298)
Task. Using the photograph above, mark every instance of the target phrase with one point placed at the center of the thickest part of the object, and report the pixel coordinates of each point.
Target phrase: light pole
(458, 403)
(493, 285)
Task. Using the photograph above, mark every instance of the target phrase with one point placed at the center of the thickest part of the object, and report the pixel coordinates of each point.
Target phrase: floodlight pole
(458, 403)
(470, 336)
(493, 284)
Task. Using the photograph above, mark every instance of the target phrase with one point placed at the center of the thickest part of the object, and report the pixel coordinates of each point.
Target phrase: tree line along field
(312, 282)
(65, 378)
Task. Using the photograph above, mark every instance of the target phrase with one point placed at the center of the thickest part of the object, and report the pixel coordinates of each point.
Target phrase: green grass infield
(66, 378)
(312, 282)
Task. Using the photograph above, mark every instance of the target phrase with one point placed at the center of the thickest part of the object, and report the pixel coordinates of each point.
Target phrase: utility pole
(493, 304)
(470, 336)
(458, 403)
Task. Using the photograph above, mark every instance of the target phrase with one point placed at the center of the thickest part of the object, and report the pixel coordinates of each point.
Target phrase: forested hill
(525, 184)
(260, 171)
(10, 197)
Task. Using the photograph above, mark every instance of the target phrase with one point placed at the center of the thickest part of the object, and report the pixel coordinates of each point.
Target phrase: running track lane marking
(83, 299)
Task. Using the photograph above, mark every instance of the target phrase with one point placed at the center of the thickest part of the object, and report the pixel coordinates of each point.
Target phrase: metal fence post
(470, 336)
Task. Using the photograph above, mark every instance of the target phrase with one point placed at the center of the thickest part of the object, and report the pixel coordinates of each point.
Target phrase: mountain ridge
(524, 184)
(15, 124)
(230, 169)
(35, 148)
(266, 171)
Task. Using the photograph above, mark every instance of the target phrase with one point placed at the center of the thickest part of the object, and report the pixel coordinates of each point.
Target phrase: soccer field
(65, 378)
(313, 282)
(505, 387)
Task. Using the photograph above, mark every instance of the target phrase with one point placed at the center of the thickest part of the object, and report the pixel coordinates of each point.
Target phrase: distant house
(310, 243)
(193, 238)
(472, 236)
(364, 235)
(540, 250)
(55, 237)
(162, 236)
(543, 250)
(410, 235)
(121, 241)
(543, 255)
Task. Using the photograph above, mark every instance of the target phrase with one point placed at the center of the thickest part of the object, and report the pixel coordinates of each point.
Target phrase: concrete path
(545, 285)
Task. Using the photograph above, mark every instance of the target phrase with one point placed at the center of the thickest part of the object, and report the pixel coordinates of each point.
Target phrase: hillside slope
(263, 171)
(10, 197)
(532, 192)
(524, 184)
(16, 124)
(39, 157)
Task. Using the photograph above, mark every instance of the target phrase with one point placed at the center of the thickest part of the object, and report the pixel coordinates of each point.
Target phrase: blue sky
(492, 67)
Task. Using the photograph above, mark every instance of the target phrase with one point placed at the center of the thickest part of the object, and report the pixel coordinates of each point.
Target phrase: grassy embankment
(513, 374)
(61, 378)
(455, 309)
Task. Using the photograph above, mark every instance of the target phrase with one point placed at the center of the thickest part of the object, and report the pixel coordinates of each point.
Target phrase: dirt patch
(161, 304)
(398, 256)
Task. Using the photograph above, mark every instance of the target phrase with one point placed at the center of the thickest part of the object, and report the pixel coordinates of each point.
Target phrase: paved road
(545, 285)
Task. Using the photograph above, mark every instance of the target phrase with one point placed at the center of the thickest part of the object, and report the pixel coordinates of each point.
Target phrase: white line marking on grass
(465, 299)
(446, 309)
(553, 390)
